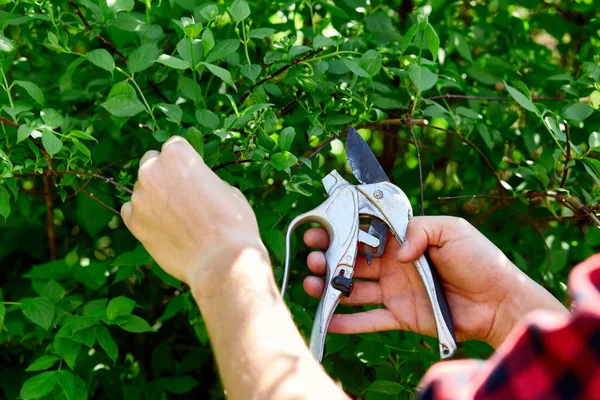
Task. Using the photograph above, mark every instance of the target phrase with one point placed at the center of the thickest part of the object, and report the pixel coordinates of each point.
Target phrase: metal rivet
(378, 194)
(348, 258)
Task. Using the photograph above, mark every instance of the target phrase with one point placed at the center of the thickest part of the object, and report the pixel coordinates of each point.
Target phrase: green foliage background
(258, 87)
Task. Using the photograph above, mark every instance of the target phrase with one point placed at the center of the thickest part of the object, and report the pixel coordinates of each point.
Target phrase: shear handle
(339, 216)
(395, 210)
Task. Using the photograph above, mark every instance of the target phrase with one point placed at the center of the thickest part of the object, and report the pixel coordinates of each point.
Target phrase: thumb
(423, 232)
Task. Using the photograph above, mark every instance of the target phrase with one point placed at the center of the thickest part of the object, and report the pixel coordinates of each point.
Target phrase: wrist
(230, 270)
(525, 297)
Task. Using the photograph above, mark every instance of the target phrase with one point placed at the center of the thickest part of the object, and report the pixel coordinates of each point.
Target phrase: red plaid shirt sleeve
(549, 356)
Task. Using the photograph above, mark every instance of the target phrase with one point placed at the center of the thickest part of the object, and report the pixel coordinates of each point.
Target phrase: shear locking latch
(343, 284)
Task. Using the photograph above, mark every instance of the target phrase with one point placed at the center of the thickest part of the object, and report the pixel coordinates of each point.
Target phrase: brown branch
(278, 72)
(218, 167)
(7, 121)
(92, 196)
(459, 96)
(50, 211)
(567, 156)
(398, 121)
(474, 147)
(95, 175)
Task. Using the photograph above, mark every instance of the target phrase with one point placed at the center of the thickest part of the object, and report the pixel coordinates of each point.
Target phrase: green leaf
(142, 58)
(521, 99)
(407, 39)
(4, 202)
(355, 68)
(179, 384)
(172, 62)
(283, 160)
(101, 58)
(371, 62)
(135, 324)
(82, 148)
(52, 118)
(2, 315)
(196, 139)
(66, 380)
(53, 291)
(261, 33)
(107, 342)
(387, 387)
(286, 137)
(51, 143)
(208, 40)
(321, 41)
(161, 273)
(251, 71)
(462, 47)
(577, 112)
(6, 45)
(594, 140)
(39, 385)
(220, 73)
(23, 133)
(123, 105)
(38, 310)
(82, 135)
(44, 362)
(592, 166)
(33, 90)
(222, 49)
(119, 307)
(67, 349)
(120, 5)
(172, 111)
(422, 77)
(239, 11)
(139, 256)
(433, 41)
(207, 119)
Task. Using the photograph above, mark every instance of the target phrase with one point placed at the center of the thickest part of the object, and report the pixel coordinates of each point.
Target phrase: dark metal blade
(366, 169)
(362, 161)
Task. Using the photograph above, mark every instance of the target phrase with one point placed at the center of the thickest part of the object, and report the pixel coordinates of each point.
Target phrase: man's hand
(193, 223)
(487, 293)
(203, 231)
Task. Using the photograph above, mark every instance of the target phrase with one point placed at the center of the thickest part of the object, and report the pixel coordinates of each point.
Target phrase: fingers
(379, 319)
(175, 141)
(364, 293)
(149, 155)
(428, 231)
(317, 264)
(126, 214)
(317, 238)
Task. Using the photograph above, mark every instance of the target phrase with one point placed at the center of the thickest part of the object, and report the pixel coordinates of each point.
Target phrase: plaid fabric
(548, 356)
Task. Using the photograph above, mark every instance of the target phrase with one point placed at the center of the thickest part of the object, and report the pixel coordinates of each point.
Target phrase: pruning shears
(389, 208)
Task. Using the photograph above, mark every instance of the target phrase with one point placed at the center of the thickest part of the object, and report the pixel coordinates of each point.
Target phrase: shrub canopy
(501, 97)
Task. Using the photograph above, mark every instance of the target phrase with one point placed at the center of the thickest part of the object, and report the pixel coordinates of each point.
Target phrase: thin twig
(278, 72)
(567, 156)
(113, 48)
(50, 212)
(95, 175)
(398, 121)
(218, 167)
(7, 121)
(483, 98)
(474, 147)
(92, 196)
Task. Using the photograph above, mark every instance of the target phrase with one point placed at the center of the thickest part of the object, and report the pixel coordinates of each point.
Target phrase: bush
(502, 98)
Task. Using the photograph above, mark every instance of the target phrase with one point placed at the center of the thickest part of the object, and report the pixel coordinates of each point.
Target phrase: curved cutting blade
(366, 169)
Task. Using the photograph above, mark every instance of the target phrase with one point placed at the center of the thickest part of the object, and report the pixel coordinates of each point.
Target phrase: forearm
(259, 351)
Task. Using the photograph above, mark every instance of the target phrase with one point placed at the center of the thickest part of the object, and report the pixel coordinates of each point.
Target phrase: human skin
(487, 293)
(203, 232)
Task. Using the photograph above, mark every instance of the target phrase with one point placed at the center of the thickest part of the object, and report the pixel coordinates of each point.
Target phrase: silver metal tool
(376, 197)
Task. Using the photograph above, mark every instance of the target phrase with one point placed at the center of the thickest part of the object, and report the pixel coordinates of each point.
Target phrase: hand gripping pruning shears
(377, 198)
